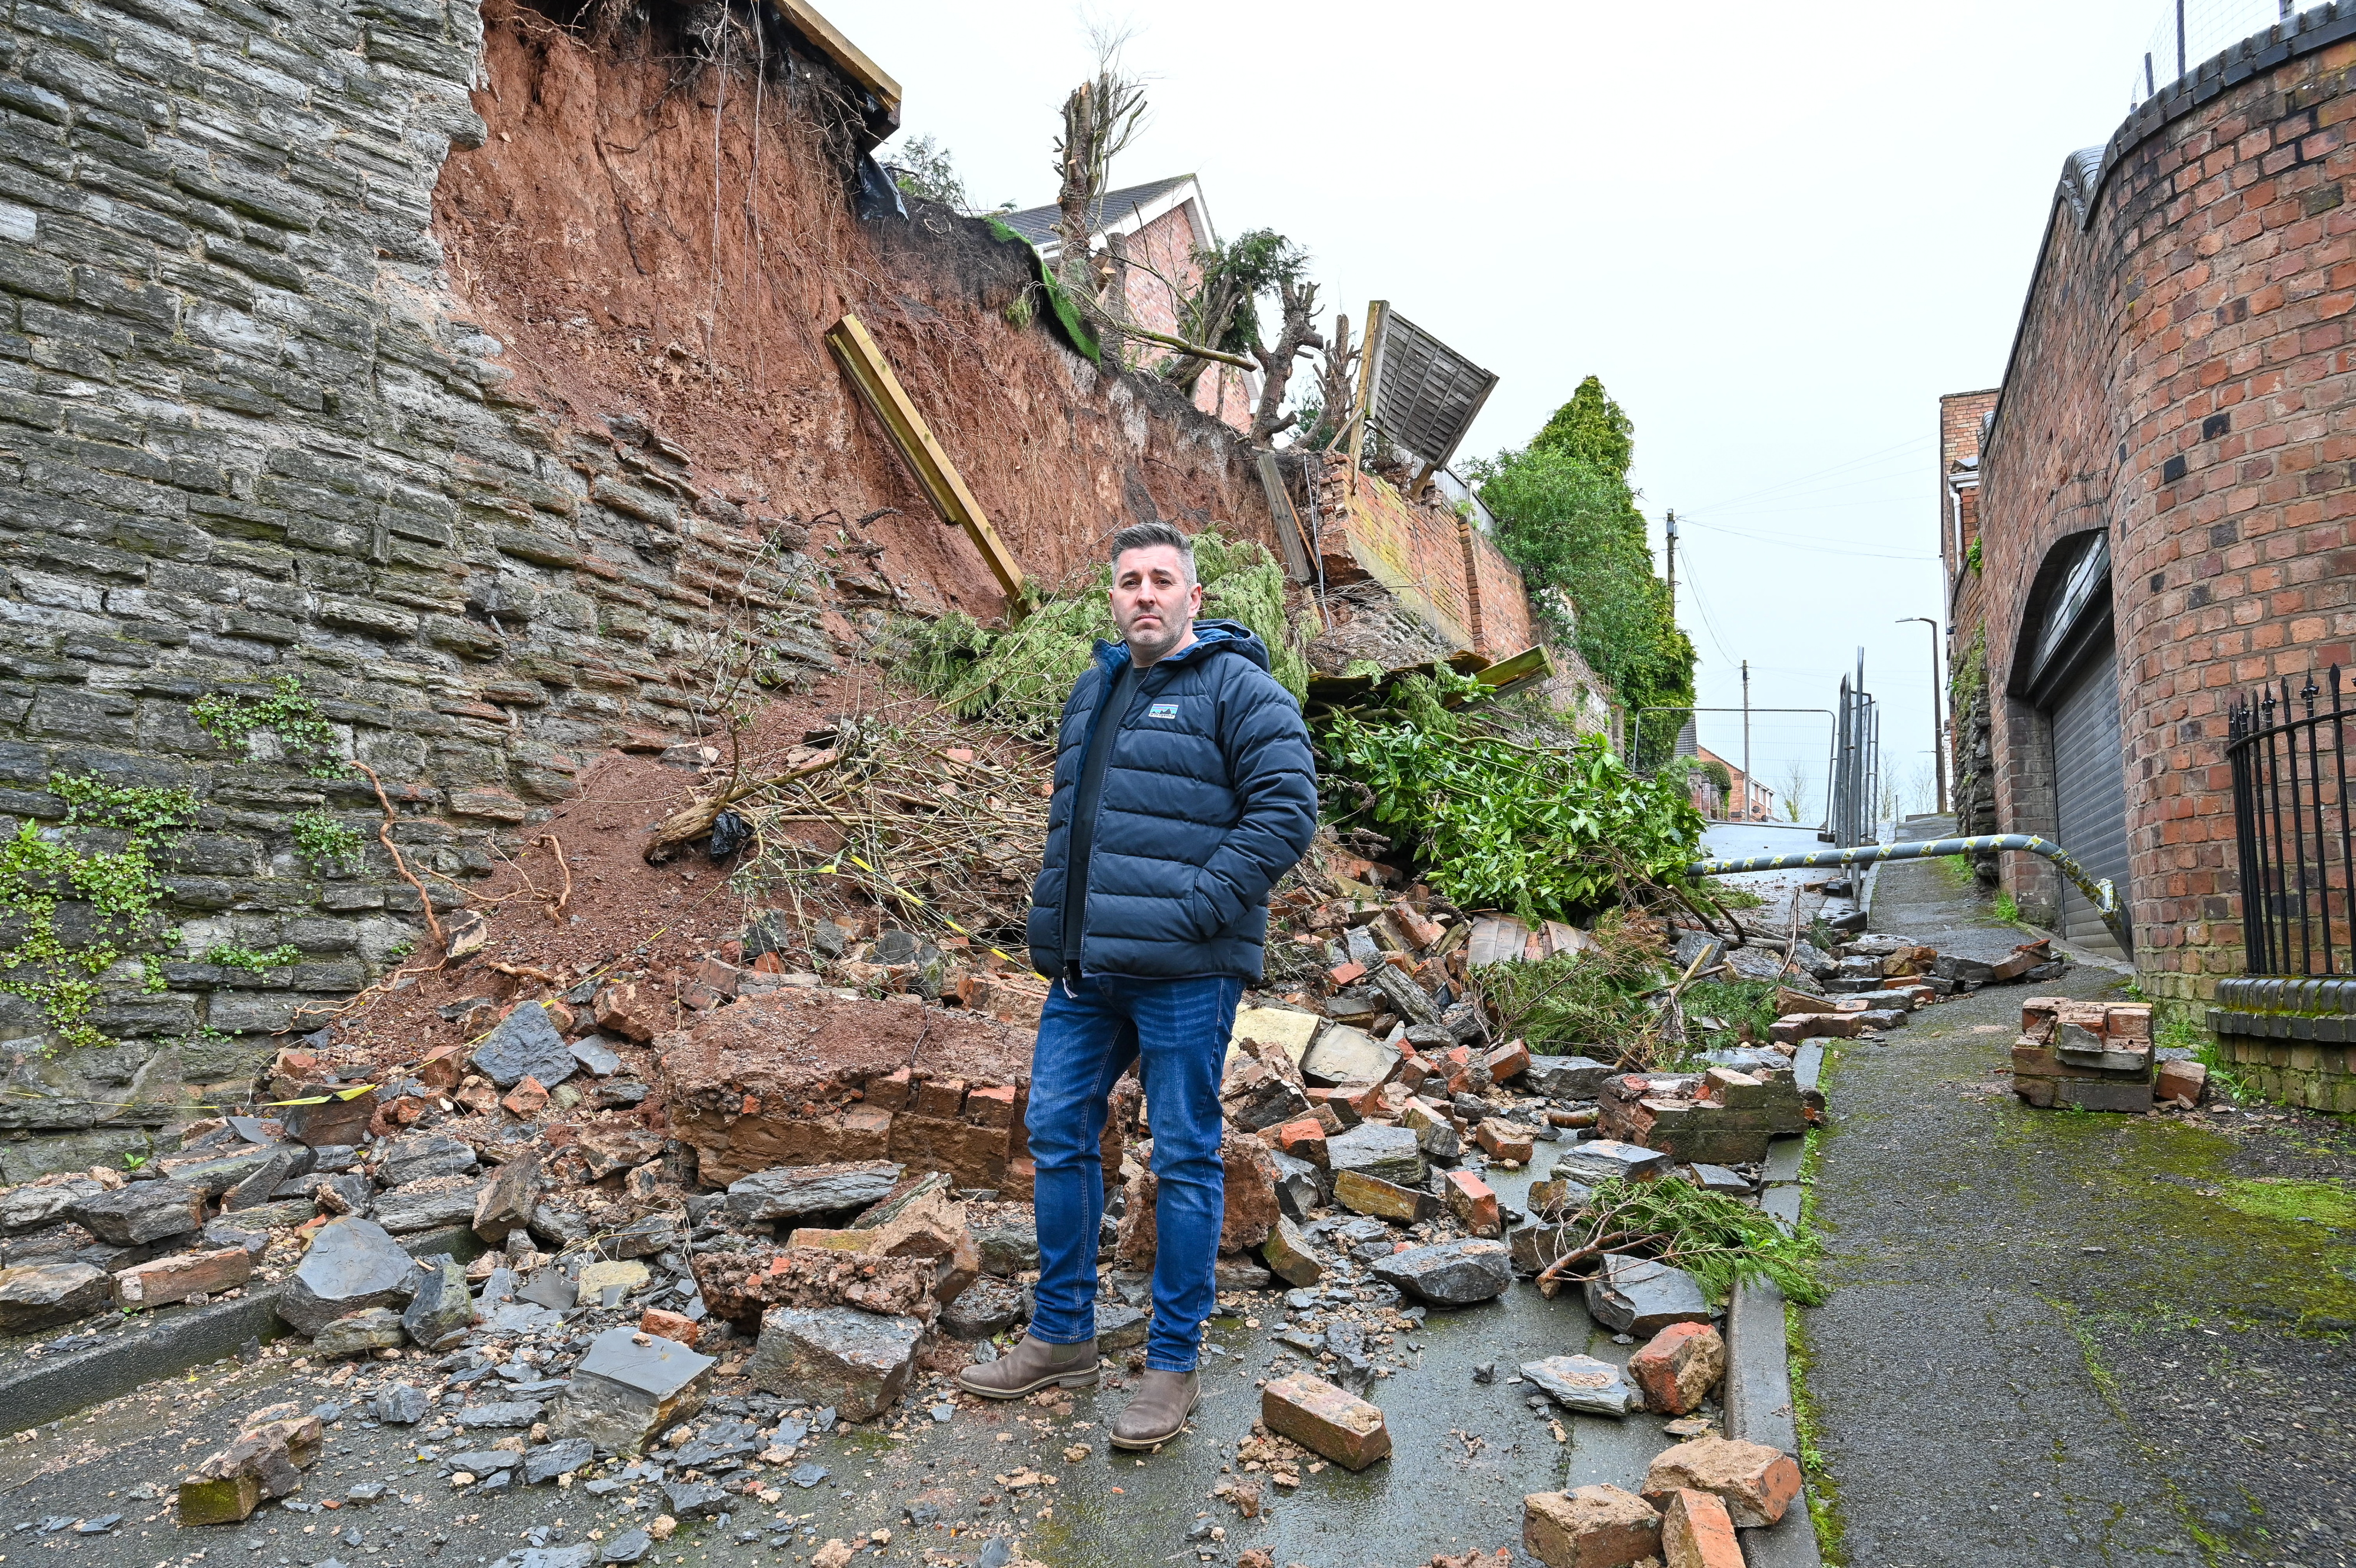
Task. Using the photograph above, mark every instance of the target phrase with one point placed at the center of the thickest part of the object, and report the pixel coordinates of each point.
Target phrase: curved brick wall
(2199, 313)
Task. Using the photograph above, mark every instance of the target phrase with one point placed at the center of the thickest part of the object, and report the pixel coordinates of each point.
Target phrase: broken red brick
(2186, 1082)
(442, 1067)
(526, 1099)
(671, 1326)
(1589, 1527)
(1323, 1419)
(631, 1011)
(941, 1097)
(1505, 1140)
(1303, 1140)
(992, 1105)
(1473, 1203)
(1419, 931)
(1756, 1483)
(1697, 1532)
(1677, 1368)
(890, 1091)
(1347, 973)
(166, 1280)
(1509, 1061)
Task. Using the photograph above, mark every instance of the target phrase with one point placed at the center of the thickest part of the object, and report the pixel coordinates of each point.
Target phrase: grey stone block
(855, 1362)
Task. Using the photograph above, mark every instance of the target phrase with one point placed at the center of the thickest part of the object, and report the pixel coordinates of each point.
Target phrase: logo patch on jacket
(1163, 710)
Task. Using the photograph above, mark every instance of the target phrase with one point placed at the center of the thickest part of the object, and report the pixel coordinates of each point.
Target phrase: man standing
(1183, 789)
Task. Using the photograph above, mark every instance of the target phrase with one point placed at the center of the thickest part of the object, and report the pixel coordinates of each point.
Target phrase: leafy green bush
(1566, 517)
(1496, 824)
(1019, 678)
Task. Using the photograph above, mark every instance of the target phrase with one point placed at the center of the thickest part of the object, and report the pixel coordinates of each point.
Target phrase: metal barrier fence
(1854, 766)
(2291, 823)
(2187, 32)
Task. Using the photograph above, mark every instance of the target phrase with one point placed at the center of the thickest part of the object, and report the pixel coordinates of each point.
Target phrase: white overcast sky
(1777, 233)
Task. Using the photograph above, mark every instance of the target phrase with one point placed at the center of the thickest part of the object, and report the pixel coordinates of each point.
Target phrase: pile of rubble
(660, 1228)
(2098, 1056)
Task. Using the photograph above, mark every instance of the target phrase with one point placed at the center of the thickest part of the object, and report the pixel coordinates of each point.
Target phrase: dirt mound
(673, 247)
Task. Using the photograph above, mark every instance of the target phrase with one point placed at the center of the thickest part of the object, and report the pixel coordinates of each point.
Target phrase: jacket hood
(1211, 637)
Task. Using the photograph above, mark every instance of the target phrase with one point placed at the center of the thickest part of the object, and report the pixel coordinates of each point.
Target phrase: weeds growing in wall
(287, 712)
(103, 857)
(325, 842)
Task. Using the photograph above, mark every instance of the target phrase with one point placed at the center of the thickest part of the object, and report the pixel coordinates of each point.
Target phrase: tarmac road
(2060, 1338)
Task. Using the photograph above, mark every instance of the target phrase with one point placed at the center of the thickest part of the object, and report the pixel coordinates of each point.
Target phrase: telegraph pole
(1745, 740)
(1673, 567)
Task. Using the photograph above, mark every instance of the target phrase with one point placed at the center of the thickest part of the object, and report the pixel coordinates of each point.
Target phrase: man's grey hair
(1146, 535)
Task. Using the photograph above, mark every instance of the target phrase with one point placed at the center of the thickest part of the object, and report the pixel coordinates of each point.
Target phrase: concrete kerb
(1758, 1405)
(46, 1388)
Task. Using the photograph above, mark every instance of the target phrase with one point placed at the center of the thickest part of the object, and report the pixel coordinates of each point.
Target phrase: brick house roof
(1128, 209)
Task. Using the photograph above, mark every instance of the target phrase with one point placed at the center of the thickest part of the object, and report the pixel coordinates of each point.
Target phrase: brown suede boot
(1033, 1364)
(1158, 1411)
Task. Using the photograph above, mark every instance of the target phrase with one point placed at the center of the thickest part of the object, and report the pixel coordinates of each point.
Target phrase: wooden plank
(1289, 532)
(1527, 668)
(1370, 357)
(872, 374)
(847, 55)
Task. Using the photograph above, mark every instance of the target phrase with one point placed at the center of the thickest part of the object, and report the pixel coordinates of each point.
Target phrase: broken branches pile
(1548, 834)
(1576, 1004)
(1720, 1242)
(936, 818)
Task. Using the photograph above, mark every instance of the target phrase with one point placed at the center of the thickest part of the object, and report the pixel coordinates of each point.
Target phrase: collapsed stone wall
(428, 358)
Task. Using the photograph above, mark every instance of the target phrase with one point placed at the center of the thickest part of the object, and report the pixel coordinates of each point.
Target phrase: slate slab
(790, 1192)
(139, 1211)
(406, 1160)
(1641, 1296)
(1601, 1159)
(857, 1362)
(42, 1295)
(1568, 1078)
(561, 1457)
(1371, 1148)
(1454, 1273)
(623, 1394)
(1584, 1384)
(525, 1044)
(352, 1264)
(442, 1310)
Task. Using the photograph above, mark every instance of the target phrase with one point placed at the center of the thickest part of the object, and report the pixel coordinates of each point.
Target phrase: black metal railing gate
(2291, 824)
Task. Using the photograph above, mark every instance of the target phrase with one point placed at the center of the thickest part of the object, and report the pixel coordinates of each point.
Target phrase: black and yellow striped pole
(2100, 894)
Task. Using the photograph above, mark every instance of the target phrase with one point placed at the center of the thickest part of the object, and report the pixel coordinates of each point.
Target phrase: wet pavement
(2058, 1337)
(1464, 1456)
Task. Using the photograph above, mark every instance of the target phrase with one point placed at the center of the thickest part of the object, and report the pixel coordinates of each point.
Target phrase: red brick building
(2152, 515)
(1166, 223)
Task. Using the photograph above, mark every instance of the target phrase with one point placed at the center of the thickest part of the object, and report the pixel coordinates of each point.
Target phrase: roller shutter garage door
(2089, 785)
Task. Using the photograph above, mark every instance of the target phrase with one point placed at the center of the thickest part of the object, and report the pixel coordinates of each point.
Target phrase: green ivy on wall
(102, 856)
(289, 713)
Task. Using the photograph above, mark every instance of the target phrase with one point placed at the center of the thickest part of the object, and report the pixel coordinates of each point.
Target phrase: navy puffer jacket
(1209, 797)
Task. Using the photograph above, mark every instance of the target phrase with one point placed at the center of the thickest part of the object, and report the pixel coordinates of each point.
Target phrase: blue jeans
(1089, 1031)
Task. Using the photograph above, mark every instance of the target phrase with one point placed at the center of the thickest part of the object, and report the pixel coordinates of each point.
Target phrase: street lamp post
(1938, 711)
